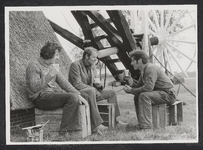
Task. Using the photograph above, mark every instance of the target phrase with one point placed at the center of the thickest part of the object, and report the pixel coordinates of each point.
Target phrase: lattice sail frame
(173, 32)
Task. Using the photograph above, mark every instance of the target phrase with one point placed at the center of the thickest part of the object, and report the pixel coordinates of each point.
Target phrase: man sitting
(82, 74)
(153, 87)
(41, 76)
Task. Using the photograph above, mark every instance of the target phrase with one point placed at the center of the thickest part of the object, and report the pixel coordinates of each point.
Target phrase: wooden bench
(107, 112)
(55, 116)
(163, 114)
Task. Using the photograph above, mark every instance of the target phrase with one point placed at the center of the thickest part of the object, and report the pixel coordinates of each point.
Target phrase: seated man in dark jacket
(153, 87)
(82, 76)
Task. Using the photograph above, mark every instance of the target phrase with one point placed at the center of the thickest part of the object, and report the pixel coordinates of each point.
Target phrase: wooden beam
(107, 52)
(98, 38)
(123, 28)
(82, 19)
(112, 61)
(129, 42)
(93, 25)
(67, 35)
(106, 26)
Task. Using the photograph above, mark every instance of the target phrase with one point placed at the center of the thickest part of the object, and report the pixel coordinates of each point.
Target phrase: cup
(126, 72)
(56, 66)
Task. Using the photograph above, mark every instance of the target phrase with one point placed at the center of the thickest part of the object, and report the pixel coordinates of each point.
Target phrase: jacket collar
(42, 62)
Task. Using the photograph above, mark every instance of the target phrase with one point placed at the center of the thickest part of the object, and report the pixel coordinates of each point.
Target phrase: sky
(63, 17)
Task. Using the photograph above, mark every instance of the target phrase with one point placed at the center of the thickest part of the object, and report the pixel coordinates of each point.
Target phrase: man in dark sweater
(41, 76)
(153, 87)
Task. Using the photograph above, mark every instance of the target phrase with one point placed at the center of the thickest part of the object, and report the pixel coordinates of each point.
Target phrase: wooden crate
(55, 116)
(175, 113)
(163, 114)
(107, 112)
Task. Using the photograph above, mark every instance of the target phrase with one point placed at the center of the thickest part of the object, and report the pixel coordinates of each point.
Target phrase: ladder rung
(112, 61)
(93, 25)
(98, 38)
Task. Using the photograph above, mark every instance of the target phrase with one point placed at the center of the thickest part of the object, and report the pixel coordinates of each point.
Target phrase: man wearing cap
(153, 87)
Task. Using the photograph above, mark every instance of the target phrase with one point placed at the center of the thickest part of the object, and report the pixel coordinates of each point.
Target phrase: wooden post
(180, 112)
(172, 115)
(155, 116)
(83, 121)
(110, 116)
(87, 111)
(162, 115)
(113, 116)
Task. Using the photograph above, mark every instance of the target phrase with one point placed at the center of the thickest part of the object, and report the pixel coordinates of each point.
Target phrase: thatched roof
(28, 32)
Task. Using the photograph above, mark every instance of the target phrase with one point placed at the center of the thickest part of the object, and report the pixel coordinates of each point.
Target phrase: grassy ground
(187, 131)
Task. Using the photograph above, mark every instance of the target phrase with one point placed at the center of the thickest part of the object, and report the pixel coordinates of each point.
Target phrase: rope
(173, 75)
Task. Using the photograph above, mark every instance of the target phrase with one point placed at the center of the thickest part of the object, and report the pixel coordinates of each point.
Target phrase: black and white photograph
(122, 74)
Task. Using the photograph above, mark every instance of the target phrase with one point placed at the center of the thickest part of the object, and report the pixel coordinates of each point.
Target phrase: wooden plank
(123, 28)
(110, 116)
(58, 111)
(93, 25)
(41, 119)
(179, 112)
(172, 115)
(162, 115)
(107, 52)
(83, 120)
(82, 19)
(98, 38)
(105, 25)
(113, 117)
(112, 60)
(67, 35)
(88, 122)
(129, 42)
(55, 120)
(155, 116)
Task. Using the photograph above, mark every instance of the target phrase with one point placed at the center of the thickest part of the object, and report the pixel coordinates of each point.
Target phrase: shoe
(139, 127)
(121, 124)
(101, 127)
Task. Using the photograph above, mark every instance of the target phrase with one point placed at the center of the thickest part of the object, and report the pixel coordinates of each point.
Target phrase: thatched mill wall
(28, 32)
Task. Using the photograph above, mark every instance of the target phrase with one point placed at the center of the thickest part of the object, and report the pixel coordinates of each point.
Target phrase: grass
(187, 131)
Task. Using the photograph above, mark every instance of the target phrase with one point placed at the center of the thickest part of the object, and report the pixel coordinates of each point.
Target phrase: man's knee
(89, 91)
(112, 93)
(143, 98)
(73, 98)
(85, 96)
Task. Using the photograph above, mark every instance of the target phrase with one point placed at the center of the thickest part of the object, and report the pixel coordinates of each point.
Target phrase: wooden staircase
(115, 31)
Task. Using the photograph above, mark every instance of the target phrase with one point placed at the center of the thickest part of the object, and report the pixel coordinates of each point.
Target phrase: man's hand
(98, 94)
(82, 100)
(127, 89)
(129, 80)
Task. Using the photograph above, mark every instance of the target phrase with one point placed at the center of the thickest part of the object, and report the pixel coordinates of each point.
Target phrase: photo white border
(116, 7)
